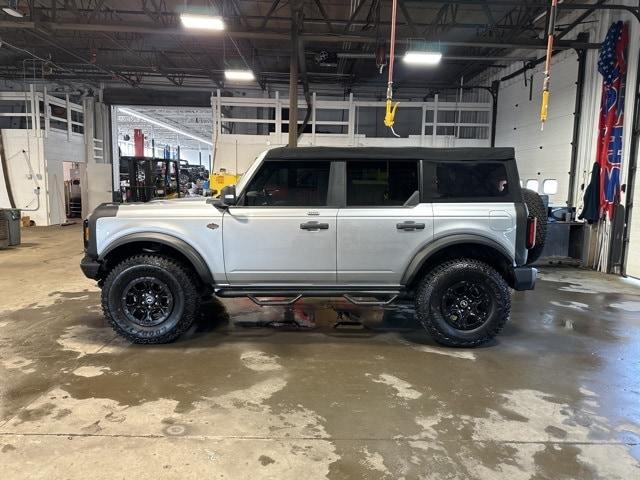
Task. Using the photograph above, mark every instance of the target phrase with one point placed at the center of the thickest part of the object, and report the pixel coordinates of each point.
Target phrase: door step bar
(289, 296)
(371, 303)
(273, 303)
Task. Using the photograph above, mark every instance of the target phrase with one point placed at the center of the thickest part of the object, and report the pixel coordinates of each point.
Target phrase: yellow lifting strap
(544, 107)
(391, 107)
(390, 112)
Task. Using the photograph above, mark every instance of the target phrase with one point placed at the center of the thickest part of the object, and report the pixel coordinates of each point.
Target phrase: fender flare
(176, 243)
(440, 244)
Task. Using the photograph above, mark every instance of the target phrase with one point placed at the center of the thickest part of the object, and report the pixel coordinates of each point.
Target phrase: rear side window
(289, 184)
(473, 181)
(382, 183)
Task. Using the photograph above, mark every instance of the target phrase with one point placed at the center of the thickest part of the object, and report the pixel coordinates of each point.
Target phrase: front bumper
(90, 267)
(524, 278)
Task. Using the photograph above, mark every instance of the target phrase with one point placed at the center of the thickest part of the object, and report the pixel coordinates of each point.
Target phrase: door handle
(410, 226)
(312, 226)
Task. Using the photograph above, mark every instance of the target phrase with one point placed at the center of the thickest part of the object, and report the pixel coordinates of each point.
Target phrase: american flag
(612, 65)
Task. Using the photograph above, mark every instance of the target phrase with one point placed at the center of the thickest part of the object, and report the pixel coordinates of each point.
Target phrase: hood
(177, 207)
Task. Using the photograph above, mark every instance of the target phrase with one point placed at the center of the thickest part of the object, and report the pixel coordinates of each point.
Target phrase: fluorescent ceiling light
(146, 118)
(422, 58)
(244, 75)
(12, 11)
(202, 22)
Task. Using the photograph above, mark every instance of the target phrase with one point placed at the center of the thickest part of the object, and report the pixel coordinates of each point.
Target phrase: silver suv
(447, 228)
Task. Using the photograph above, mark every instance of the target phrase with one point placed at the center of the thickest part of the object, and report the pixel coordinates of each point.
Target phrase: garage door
(544, 157)
(633, 259)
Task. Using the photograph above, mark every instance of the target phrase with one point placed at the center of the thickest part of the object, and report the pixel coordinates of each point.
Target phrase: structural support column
(495, 88)
(296, 12)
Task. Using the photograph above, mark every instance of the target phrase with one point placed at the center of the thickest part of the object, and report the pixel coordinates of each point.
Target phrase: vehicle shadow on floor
(241, 318)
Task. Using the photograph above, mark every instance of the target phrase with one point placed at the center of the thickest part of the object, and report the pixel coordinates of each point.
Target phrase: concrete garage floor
(557, 396)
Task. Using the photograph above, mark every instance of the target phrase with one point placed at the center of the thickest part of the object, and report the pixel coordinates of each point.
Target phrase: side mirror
(228, 195)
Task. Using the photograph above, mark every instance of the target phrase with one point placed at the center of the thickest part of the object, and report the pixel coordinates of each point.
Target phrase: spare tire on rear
(536, 208)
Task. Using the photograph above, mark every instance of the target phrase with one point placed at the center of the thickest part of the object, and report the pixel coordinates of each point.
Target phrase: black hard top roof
(391, 153)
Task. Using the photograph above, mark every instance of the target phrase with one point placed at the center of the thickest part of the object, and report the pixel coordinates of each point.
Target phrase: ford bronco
(450, 229)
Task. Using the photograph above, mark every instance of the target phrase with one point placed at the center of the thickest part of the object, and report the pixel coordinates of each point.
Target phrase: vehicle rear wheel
(150, 299)
(463, 303)
(536, 208)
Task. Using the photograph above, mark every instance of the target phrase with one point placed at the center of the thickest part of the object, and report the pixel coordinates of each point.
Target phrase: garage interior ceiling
(194, 121)
(142, 43)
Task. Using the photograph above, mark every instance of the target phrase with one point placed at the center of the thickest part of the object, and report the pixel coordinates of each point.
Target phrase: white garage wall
(459, 122)
(46, 149)
(541, 155)
(633, 259)
(21, 145)
(45, 156)
(237, 152)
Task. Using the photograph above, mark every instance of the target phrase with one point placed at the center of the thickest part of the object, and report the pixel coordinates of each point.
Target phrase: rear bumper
(90, 267)
(524, 278)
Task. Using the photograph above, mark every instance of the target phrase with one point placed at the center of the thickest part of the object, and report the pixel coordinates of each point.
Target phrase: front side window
(470, 180)
(382, 183)
(289, 184)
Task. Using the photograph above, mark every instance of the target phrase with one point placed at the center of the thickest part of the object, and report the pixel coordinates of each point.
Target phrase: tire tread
(185, 277)
(423, 302)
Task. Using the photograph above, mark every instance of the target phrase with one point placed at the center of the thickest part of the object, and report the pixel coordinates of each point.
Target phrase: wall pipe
(5, 173)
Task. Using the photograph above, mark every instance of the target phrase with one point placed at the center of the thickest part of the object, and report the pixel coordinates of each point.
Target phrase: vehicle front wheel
(463, 303)
(150, 299)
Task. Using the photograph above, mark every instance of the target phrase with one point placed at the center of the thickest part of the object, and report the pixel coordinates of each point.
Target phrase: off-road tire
(536, 208)
(435, 284)
(180, 282)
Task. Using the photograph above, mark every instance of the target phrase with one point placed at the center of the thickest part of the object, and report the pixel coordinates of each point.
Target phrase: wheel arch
(157, 243)
(459, 246)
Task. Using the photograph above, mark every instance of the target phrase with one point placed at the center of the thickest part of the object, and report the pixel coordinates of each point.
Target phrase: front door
(384, 223)
(282, 231)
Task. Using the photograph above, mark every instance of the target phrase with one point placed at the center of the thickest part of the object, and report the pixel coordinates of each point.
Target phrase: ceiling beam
(323, 12)
(271, 11)
(407, 18)
(354, 14)
(278, 36)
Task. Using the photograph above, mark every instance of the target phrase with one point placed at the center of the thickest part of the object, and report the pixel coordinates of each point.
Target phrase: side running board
(366, 297)
(273, 303)
(371, 303)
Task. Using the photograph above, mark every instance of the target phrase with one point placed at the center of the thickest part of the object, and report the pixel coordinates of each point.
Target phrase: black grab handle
(410, 226)
(314, 226)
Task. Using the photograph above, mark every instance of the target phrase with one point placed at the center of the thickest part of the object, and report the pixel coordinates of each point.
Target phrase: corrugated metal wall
(544, 157)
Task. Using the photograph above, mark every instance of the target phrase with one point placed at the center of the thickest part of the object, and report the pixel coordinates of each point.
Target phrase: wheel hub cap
(466, 305)
(147, 301)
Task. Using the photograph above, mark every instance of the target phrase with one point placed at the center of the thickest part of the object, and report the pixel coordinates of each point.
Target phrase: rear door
(383, 224)
(283, 230)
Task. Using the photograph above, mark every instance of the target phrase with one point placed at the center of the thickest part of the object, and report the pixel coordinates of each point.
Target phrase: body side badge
(212, 226)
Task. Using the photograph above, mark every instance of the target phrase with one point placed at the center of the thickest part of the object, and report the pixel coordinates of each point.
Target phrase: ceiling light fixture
(413, 57)
(242, 75)
(12, 9)
(202, 22)
(146, 118)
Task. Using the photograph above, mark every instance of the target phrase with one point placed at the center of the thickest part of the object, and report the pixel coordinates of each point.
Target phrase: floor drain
(175, 430)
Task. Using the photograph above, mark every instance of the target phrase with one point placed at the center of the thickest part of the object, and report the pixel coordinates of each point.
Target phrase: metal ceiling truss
(146, 34)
